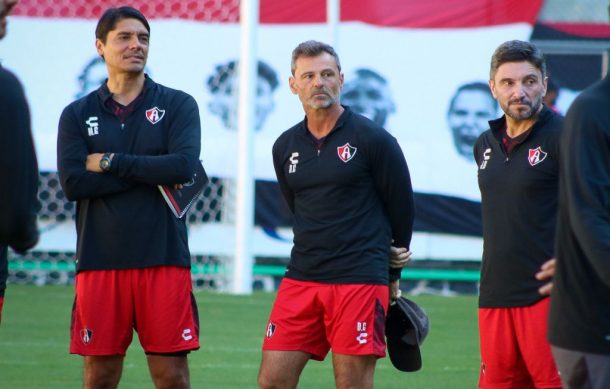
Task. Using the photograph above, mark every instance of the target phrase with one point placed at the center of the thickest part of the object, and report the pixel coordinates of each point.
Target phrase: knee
(172, 380)
(101, 378)
(267, 382)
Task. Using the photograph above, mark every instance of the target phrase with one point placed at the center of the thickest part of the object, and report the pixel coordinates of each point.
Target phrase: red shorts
(314, 317)
(157, 302)
(515, 352)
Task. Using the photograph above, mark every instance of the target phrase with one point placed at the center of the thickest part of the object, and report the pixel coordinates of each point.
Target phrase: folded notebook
(180, 200)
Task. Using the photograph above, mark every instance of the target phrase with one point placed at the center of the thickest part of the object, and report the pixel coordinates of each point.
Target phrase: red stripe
(583, 30)
(391, 13)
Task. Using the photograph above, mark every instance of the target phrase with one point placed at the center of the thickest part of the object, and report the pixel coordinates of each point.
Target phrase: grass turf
(34, 344)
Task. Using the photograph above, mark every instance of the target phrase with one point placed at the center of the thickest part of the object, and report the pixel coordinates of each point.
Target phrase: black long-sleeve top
(351, 196)
(580, 302)
(18, 173)
(519, 194)
(122, 220)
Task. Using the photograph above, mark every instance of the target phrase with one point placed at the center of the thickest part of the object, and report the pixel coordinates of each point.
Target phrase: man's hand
(93, 162)
(547, 271)
(399, 257)
(394, 287)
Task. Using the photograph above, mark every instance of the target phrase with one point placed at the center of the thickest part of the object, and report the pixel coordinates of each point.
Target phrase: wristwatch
(106, 161)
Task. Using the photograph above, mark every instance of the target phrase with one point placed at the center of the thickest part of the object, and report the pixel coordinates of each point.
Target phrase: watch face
(104, 163)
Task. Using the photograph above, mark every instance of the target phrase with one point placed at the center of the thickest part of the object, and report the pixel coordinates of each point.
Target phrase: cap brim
(404, 357)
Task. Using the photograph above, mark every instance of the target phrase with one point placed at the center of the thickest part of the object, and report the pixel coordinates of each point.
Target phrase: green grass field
(34, 344)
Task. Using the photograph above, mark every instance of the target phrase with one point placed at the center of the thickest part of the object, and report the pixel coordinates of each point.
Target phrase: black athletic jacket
(122, 220)
(18, 173)
(350, 198)
(519, 202)
(580, 301)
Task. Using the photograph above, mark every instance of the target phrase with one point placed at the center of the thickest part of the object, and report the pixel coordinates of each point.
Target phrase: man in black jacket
(518, 169)
(115, 146)
(348, 185)
(579, 322)
(18, 166)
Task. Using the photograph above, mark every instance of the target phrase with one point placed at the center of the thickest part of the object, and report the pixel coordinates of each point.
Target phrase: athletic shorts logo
(362, 336)
(270, 330)
(536, 156)
(346, 152)
(85, 335)
(186, 334)
(154, 115)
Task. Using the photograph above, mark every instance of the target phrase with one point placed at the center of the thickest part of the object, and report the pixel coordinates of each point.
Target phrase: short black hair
(112, 16)
(517, 51)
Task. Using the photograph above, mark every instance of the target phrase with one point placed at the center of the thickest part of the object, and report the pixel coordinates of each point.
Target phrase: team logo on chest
(154, 115)
(346, 152)
(536, 156)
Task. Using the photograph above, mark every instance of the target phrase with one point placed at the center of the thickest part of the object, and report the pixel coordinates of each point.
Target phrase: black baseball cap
(406, 327)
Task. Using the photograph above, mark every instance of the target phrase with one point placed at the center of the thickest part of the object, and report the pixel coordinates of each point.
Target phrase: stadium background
(458, 37)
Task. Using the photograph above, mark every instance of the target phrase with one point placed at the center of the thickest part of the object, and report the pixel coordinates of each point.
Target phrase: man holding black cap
(347, 182)
(115, 146)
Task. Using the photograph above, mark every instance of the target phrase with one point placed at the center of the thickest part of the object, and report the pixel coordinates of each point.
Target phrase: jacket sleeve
(77, 183)
(393, 184)
(278, 165)
(586, 152)
(178, 165)
(19, 189)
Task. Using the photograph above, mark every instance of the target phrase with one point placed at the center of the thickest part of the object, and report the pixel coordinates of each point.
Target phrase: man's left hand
(547, 271)
(399, 257)
(93, 162)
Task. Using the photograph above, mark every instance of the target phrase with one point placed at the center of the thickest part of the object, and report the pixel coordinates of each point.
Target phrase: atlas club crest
(536, 156)
(346, 152)
(154, 115)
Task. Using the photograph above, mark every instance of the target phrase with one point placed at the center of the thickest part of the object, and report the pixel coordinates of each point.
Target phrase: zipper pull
(122, 126)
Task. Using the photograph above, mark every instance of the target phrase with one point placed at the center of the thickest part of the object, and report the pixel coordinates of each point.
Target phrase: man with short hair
(347, 183)
(518, 169)
(470, 108)
(18, 166)
(579, 321)
(115, 146)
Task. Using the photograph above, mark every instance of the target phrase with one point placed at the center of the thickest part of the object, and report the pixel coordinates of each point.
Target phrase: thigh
(531, 324)
(296, 322)
(169, 371)
(355, 318)
(166, 313)
(501, 364)
(354, 371)
(102, 313)
(281, 369)
(102, 371)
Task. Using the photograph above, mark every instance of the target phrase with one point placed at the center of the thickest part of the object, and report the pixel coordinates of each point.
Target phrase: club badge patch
(536, 156)
(270, 330)
(346, 152)
(86, 334)
(154, 115)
